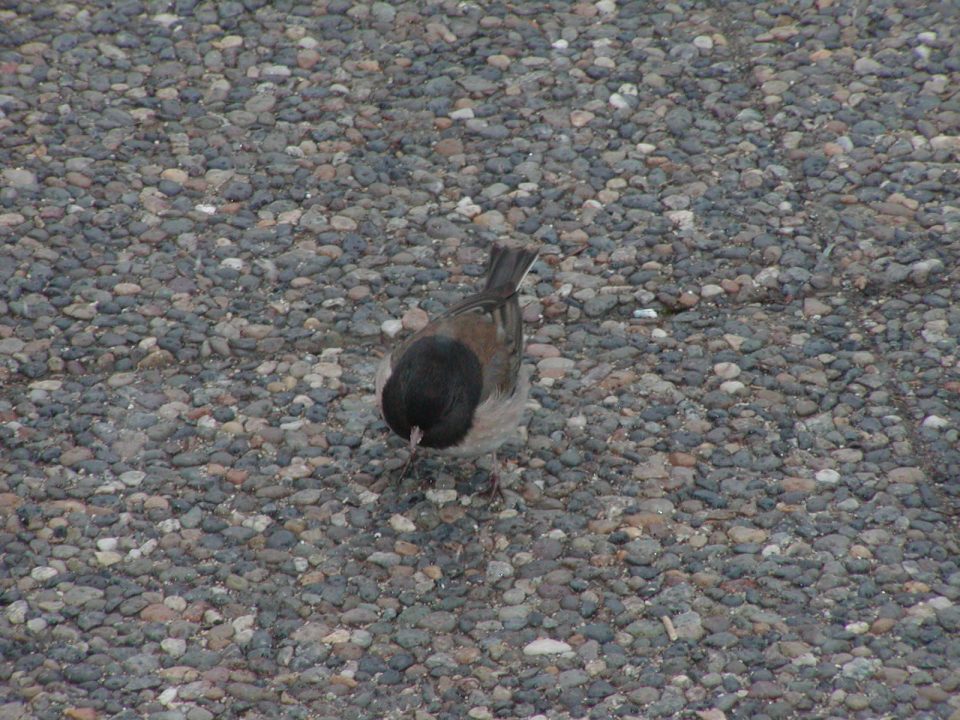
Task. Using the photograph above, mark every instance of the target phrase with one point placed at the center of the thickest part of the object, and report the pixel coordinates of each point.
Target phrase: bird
(456, 386)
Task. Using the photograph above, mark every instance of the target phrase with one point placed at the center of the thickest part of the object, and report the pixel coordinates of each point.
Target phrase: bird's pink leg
(495, 490)
(416, 435)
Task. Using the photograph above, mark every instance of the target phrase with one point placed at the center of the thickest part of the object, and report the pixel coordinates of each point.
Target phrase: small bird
(456, 386)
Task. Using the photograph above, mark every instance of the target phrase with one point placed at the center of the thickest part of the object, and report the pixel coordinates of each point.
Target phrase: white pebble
(175, 602)
(703, 42)
(733, 387)
(468, 208)
(619, 102)
(441, 497)
(43, 573)
(106, 558)
(168, 696)
(244, 623)
(683, 219)
(174, 647)
(361, 638)
(498, 569)
(17, 612)
(546, 646)
(258, 523)
(169, 525)
(337, 637)
(132, 478)
(107, 544)
(391, 328)
(772, 549)
(402, 524)
(727, 370)
(828, 476)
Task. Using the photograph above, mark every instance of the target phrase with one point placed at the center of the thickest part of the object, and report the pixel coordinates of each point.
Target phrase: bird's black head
(435, 386)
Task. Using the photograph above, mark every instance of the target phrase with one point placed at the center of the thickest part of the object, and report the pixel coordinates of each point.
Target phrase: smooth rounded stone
(408, 638)
(688, 626)
(174, 647)
(82, 673)
(910, 475)
(600, 632)
(384, 559)
(678, 120)
(733, 387)
(18, 177)
(857, 701)
(703, 42)
(402, 524)
(741, 534)
(514, 617)
(132, 478)
(580, 118)
(440, 621)
(572, 678)
(599, 305)
(281, 539)
(546, 646)
(497, 570)
(869, 66)
(827, 476)
(44, 573)
(11, 345)
(359, 616)
(16, 612)
(936, 422)
(727, 370)
(766, 689)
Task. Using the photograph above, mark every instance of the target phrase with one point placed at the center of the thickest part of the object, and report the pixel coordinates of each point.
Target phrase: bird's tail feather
(508, 267)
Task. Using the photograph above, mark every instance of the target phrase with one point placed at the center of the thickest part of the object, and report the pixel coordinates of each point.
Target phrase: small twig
(668, 625)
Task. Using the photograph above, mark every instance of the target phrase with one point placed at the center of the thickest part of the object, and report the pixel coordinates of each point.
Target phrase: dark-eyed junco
(456, 386)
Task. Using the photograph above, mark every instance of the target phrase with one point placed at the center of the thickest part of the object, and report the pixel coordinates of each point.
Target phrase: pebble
(828, 476)
(727, 370)
(402, 524)
(546, 646)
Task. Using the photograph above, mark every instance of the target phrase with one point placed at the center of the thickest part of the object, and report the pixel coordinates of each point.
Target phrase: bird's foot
(403, 471)
(495, 491)
(416, 435)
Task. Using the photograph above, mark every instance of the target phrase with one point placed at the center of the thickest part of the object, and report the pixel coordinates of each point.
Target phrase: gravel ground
(212, 215)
